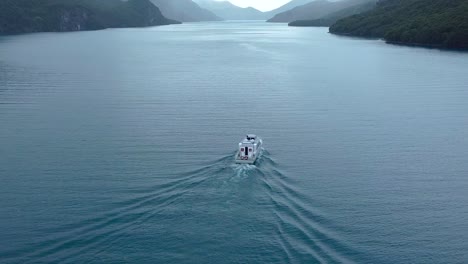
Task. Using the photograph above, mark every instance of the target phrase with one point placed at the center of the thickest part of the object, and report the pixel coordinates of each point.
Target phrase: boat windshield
(250, 137)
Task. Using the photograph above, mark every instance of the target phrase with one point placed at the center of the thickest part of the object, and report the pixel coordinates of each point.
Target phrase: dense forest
(435, 23)
(21, 16)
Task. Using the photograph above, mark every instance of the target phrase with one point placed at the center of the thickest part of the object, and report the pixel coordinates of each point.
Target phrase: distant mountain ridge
(24, 16)
(185, 11)
(229, 11)
(314, 10)
(332, 18)
(288, 6)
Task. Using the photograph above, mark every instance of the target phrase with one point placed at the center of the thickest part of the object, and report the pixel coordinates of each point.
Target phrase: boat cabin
(249, 147)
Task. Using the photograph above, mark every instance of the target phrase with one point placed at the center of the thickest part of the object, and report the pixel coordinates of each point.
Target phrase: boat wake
(303, 233)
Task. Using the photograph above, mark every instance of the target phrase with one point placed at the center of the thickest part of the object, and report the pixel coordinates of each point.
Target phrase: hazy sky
(263, 5)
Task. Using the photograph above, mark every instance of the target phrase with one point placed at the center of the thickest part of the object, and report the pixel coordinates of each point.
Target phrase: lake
(117, 146)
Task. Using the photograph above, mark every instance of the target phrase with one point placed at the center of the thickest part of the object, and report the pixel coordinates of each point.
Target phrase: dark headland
(25, 16)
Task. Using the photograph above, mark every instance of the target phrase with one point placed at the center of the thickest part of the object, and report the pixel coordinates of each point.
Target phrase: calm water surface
(118, 145)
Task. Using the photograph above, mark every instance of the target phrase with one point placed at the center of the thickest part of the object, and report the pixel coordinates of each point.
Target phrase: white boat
(249, 149)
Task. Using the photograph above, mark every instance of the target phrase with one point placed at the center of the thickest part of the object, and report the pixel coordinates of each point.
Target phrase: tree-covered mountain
(228, 11)
(437, 23)
(330, 19)
(22, 16)
(314, 10)
(185, 11)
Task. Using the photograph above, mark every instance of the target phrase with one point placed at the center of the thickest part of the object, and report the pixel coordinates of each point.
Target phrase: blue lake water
(117, 146)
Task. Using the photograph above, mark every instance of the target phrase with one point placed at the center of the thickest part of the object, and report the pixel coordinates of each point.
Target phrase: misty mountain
(331, 18)
(24, 16)
(315, 10)
(227, 10)
(185, 11)
(288, 6)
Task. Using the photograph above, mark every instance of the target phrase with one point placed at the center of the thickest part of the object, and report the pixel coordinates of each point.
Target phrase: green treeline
(436, 23)
(321, 22)
(22, 16)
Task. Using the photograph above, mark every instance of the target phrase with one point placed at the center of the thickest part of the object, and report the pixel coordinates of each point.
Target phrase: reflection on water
(119, 145)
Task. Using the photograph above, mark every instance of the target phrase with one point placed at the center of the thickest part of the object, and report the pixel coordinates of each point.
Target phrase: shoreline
(4, 34)
(399, 43)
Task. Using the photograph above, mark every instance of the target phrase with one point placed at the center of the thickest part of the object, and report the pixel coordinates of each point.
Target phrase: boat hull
(239, 160)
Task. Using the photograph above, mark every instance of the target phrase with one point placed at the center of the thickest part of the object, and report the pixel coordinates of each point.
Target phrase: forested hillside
(22, 16)
(436, 23)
